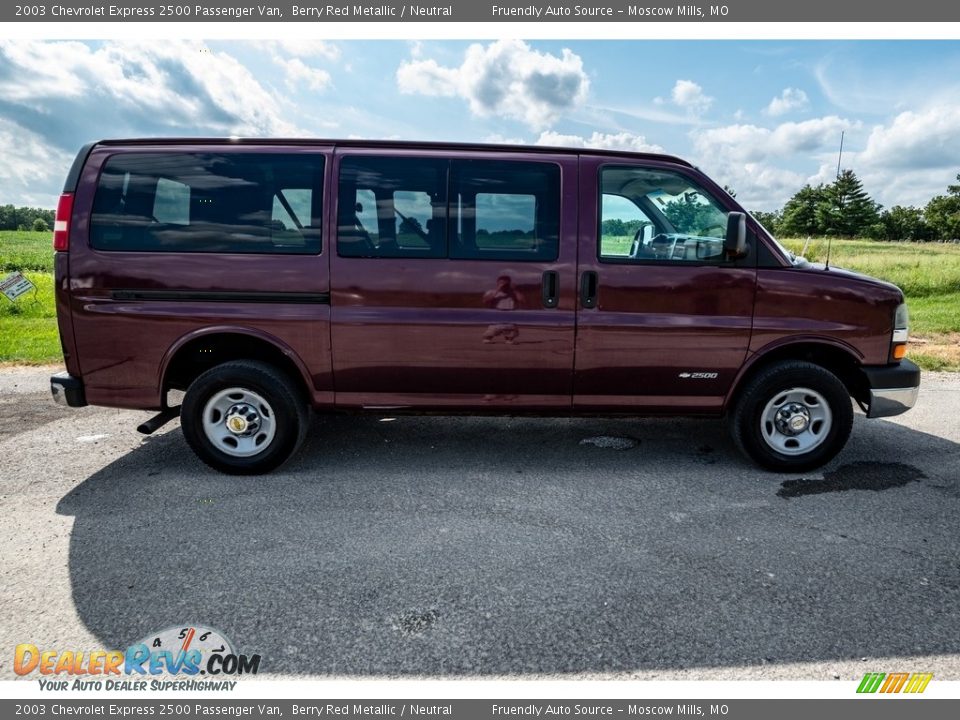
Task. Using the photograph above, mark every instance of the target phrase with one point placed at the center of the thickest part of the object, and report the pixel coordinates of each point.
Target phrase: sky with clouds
(764, 117)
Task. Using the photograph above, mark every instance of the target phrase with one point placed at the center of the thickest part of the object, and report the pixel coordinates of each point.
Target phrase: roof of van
(396, 144)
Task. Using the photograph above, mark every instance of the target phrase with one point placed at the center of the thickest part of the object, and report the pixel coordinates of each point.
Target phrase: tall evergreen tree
(846, 209)
(800, 213)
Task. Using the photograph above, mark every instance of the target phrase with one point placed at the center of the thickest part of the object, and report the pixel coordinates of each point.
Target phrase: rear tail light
(61, 224)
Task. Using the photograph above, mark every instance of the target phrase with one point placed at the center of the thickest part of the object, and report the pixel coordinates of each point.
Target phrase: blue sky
(765, 117)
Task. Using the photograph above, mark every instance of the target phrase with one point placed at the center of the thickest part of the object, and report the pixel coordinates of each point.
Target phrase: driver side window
(648, 214)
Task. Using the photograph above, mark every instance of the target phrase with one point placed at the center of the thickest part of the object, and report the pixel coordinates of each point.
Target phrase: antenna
(826, 265)
(840, 155)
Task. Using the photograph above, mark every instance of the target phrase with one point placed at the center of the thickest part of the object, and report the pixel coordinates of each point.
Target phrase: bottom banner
(873, 708)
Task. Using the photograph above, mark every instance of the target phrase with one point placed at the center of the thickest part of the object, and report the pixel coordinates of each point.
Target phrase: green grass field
(25, 250)
(929, 274)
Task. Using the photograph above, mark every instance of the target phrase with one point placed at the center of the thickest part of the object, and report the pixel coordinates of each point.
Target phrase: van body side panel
(664, 337)
(807, 305)
(130, 308)
(431, 333)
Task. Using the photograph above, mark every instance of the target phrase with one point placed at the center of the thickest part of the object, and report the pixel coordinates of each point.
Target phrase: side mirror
(646, 233)
(735, 242)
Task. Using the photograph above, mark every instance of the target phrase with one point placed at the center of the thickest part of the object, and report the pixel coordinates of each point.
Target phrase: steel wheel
(796, 421)
(792, 416)
(239, 422)
(244, 417)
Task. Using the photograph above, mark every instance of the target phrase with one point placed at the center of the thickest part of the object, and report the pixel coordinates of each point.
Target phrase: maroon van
(262, 279)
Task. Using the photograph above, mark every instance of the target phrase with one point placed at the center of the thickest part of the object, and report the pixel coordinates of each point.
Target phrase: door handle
(589, 286)
(549, 291)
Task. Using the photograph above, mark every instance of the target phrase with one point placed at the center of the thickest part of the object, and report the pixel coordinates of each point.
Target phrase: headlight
(901, 324)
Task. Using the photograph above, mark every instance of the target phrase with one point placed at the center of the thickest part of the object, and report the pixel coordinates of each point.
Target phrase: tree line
(844, 209)
(25, 218)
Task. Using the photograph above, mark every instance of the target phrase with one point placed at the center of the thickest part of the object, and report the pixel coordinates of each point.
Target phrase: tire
(244, 417)
(793, 416)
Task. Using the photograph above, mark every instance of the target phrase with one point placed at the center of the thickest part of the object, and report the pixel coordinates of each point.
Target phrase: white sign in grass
(15, 285)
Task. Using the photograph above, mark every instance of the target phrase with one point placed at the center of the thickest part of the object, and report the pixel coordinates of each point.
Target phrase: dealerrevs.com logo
(889, 683)
(192, 653)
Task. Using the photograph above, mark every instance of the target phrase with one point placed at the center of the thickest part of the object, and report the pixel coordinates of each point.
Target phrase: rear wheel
(244, 417)
(793, 416)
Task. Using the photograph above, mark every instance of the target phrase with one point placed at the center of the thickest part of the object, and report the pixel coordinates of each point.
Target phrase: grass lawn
(929, 274)
(26, 250)
(28, 326)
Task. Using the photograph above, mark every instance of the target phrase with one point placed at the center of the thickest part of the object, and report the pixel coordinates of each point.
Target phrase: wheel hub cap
(796, 421)
(793, 419)
(242, 420)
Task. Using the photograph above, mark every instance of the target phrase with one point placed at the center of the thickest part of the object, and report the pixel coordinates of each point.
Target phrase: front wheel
(243, 417)
(793, 416)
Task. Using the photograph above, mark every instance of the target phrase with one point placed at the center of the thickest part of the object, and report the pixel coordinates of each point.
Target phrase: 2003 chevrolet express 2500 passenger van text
(266, 278)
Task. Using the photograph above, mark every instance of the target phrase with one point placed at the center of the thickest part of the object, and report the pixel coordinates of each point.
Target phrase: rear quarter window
(209, 202)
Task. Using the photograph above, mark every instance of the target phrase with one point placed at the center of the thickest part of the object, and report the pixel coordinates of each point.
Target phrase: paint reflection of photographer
(503, 297)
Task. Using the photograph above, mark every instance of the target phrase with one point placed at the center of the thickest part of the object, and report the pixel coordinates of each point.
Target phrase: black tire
(758, 430)
(283, 406)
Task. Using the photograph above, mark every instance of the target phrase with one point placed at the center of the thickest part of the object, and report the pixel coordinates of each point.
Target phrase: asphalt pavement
(464, 547)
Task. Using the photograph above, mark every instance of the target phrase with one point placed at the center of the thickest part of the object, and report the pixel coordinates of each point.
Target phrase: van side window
(392, 207)
(648, 214)
(504, 210)
(209, 202)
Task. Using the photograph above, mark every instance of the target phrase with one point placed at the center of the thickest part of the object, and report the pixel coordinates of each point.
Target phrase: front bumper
(893, 388)
(67, 390)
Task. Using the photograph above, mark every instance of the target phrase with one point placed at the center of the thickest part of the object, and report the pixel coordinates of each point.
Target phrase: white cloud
(749, 158)
(428, 77)
(922, 139)
(143, 88)
(690, 96)
(30, 164)
(59, 95)
(602, 141)
(290, 54)
(311, 48)
(760, 186)
(296, 72)
(506, 78)
(789, 100)
(296, 47)
(752, 143)
(905, 161)
(914, 156)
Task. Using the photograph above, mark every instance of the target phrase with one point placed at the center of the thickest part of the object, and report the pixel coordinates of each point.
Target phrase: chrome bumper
(893, 388)
(885, 402)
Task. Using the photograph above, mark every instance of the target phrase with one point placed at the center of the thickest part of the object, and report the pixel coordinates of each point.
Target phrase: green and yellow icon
(894, 682)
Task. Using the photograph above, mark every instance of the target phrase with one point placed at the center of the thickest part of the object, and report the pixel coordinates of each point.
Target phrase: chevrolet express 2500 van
(264, 279)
